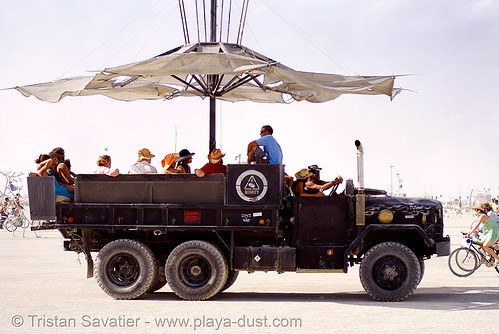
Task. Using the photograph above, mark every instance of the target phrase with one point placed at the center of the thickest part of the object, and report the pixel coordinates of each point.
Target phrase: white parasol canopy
(223, 71)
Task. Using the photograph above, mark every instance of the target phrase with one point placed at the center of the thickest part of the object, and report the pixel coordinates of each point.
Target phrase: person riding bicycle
(490, 229)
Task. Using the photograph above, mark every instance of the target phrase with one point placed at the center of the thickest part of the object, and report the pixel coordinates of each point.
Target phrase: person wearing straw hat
(143, 164)
(309, 184)
(490, 229)
(214, 165)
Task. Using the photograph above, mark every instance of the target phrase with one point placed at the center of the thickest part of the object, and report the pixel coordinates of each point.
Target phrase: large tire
(390, 272)
(196, 270)
(124, 269)
(159, 279)
(231, 278)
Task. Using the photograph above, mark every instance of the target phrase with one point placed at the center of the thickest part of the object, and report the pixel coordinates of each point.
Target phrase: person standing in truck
(143, 164)
(271, 153)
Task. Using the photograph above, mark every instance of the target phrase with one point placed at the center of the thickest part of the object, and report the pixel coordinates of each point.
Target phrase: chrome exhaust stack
(360, 198)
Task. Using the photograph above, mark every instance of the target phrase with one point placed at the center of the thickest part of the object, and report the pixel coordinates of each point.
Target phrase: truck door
(320, 231)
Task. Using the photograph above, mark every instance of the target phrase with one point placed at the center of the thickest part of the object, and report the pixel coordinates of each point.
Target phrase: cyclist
(490, 229)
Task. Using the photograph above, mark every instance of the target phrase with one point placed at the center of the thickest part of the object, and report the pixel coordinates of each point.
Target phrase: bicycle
(13, 222)
(465, 260)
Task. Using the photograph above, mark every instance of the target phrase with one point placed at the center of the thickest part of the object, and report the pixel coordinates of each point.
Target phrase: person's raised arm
(63, 170)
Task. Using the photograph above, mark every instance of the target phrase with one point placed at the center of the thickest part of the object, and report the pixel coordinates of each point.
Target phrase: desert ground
(45, 290)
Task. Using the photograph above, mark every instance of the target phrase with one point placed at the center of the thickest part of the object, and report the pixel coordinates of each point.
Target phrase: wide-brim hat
(215, 156)
(314, 169)
(184, 155)
(303, 174)
(145, 154)
(169, 160)
(482, 206)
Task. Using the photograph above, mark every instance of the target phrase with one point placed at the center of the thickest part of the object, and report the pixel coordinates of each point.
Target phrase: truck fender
(373, 227)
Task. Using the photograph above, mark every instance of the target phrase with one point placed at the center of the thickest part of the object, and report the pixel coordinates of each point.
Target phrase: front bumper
(443, 247)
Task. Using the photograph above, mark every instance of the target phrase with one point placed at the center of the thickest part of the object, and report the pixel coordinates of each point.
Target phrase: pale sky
(440, 135)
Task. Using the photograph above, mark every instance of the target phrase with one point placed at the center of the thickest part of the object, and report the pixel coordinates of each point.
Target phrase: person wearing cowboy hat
(490, 228)
(182, 163)
(143, 164)
(309, 184)
(214, 166)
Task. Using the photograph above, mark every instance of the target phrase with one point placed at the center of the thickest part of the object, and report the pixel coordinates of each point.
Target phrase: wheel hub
(195, 270)
(390, 273)
(123, 270)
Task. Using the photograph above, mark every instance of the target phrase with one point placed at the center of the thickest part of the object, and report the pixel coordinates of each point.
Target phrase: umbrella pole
(213, 143)
(211, 79)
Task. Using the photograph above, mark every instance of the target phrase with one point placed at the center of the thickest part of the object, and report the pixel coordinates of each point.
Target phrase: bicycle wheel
(10, 225)
(463, 262)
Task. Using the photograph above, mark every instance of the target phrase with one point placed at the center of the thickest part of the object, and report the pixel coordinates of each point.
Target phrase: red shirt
(210, 168)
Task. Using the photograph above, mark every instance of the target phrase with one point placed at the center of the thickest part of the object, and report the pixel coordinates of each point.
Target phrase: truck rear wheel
(390, 271)
(196, 270)
(159, 279)
(124, 269)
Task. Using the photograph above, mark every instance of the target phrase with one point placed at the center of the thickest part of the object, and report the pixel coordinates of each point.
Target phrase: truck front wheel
(196, 270)
(390, 271)
(125, 269)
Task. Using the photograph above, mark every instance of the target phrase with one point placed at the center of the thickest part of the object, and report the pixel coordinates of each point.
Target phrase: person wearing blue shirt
(271, 154)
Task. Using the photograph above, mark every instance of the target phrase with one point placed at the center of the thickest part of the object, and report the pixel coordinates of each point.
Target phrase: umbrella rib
(235, 85)
(219, 82)
(257, 82)
(203, 85)
(231, 81)
(188, 84)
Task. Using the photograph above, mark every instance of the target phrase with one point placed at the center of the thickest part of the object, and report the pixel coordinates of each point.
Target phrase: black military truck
(196, 234)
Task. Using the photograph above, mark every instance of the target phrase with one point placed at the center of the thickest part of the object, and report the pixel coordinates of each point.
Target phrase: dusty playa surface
(44, 290)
